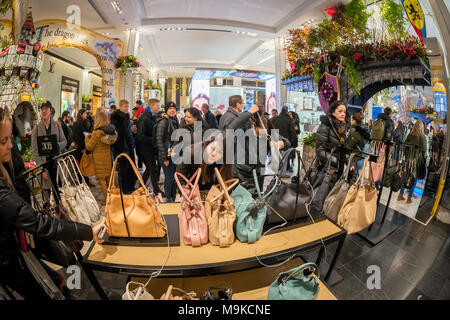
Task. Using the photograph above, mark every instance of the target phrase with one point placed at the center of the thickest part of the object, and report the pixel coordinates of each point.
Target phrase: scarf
(340, 128)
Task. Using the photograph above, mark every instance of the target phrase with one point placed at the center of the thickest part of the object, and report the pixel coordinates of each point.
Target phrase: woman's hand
(280, 145)
(96, 230)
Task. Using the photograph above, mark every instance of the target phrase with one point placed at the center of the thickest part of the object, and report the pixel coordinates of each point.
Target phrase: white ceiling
(178, 53)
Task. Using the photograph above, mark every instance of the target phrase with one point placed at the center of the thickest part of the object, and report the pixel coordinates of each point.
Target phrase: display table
(186, 261)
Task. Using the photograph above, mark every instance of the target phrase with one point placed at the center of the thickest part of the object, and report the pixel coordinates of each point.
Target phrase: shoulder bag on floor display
(300, 283)
(360, 205)
(132, 215)
(412, 172)
(324, 183)
(336, 197)
(399, 179)
(378, 167)
(250, 213)
(288, 199)
(193, 224)
(87, 168)
(221, 212)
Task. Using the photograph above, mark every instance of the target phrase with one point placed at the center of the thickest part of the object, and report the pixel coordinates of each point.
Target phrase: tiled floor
(414, 262)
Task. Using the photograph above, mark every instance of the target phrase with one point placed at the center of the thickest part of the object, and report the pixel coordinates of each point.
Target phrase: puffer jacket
(358, 137)
(286, 126)
(16, 213)
(100, 144)
(327, 138)
(164, 128)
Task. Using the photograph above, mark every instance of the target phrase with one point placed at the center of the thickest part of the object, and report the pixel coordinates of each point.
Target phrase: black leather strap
(121, 199)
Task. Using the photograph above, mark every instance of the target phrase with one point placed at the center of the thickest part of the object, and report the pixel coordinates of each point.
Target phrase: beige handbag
(220, 212)
(168, 295)
(132, 215)
(360, 206)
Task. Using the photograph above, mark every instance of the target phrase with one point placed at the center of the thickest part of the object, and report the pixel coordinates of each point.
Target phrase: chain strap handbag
(336, 197)
(133, 215)
(300, 283)
(221, 212)
(251, 213)
(193, 224)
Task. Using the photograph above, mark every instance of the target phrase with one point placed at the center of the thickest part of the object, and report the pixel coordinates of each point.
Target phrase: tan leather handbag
(132, 215)
(220, 212)
(87, 168)
(360, 206)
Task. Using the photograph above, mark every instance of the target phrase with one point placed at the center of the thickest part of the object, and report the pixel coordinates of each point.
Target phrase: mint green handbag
(250, 213)
(296, 284)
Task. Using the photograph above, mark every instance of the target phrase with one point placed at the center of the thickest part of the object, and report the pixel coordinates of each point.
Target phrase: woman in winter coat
(99, 143)
(79, 129)
(331, 133)
(358, 137)
(17, 214)
(417, 138)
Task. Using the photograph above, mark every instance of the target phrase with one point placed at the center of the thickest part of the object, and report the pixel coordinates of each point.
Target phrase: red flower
(331, 11)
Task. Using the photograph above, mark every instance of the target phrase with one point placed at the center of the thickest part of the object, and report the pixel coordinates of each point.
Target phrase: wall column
(127, 79)
(280, 67)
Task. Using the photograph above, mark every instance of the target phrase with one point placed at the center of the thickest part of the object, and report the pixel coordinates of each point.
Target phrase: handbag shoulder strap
(223, 185)
(136, 172)
(191, 186)
(347, 170)
(229, 184)
(294, 273)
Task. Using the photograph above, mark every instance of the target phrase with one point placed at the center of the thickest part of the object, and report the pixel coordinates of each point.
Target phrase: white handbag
(71, 198)
(140, 293)
(89, 199)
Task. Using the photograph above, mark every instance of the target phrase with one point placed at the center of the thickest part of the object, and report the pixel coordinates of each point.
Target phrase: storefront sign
(416, 17)
(58, 33)
(47, 145)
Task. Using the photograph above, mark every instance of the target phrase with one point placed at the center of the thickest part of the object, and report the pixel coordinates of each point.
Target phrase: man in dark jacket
(146, 130)
(165, 126)
(234, 118)
(286, 127)
(388, 123)
(209, 117)
(124, 144)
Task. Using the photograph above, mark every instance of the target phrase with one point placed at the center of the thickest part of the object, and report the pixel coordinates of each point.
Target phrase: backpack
(378, 129)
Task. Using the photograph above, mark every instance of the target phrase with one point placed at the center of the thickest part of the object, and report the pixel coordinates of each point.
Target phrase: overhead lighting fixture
(265, 59)
(246, 33)
(107, 33)
(116, 5)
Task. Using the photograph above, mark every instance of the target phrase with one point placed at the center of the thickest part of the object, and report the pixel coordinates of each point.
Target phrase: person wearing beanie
(165, 125)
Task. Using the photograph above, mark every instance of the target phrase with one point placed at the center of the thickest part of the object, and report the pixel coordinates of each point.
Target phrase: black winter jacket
(231, 119)
(388, 125)
(146, 125)
(16, 213)
(124, 144)
(286, 127)
(327, 138)
(164, 129)
(79, 127)
(211, 120)
(357, 139)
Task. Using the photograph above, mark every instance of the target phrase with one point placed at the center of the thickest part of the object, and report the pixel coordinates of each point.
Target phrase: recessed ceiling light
(116, 5)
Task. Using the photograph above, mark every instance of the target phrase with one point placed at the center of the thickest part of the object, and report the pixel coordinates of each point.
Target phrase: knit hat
(170, 104)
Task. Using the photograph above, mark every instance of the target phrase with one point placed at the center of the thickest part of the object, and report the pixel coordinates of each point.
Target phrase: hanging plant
(393, 16)
(126, 62)
(5, 5)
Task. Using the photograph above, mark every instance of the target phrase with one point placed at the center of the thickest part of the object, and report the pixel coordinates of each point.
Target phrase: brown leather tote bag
(220, 212)
(133, 215)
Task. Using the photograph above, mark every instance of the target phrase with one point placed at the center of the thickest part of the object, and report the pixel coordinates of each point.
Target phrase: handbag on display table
(221, 212)
(288, 199)
(193, 224)
(300, 283)
(250, 213)
(133, 215)
(360, 206)
(336, 197)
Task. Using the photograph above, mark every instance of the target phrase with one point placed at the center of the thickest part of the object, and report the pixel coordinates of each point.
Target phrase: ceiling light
(251, 34)
(116, 5)
(107, 33)
(265, 59)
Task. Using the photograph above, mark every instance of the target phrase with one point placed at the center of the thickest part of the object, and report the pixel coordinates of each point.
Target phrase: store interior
(193, 53)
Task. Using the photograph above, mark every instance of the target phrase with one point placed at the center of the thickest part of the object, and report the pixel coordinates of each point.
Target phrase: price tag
(47, 145)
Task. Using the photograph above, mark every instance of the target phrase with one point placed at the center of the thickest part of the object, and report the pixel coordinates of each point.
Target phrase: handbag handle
(196, 175)
(231, 184)
(112, 178)
(224, 187)
(347, 170)
(294, 273)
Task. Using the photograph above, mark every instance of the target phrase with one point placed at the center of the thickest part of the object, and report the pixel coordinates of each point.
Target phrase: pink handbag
(193, 223)
(378, 167)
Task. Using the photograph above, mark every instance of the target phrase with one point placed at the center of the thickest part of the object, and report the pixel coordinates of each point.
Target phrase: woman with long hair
(16, 214)
(99, 143)
(417, 138)
(80, 127)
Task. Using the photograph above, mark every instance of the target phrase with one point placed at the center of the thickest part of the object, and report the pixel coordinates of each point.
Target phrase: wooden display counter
(186, 261)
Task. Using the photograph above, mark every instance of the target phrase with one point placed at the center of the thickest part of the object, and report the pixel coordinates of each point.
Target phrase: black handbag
(399, 179)
(288, 200)
(411, 179)
(322, 187)
(218, 293)
(421, 167)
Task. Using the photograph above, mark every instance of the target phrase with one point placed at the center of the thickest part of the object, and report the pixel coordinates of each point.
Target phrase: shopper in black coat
(388, 123)
(145, 138)
(120, 119)
(331, 133)
(165, 126)
(15, 214)
(79, 128)
(286, 126)
(209, 117)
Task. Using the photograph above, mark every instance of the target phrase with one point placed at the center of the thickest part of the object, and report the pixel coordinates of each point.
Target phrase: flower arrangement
(127, 61)
(86, 98)
(4, 52)
(311, 50)
(423, 110)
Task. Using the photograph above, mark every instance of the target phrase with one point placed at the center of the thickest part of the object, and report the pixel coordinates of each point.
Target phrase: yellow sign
(415, 13)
